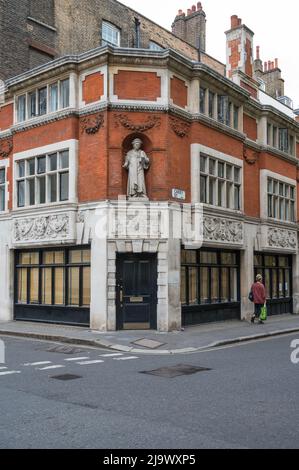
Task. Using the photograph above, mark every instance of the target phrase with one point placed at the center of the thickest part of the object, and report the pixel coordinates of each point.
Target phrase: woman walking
(259, 298)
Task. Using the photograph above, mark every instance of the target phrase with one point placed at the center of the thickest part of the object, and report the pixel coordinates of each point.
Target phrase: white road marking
(125, 358)
(87, 363)
(10, 372)
(37, 363)
(76, 359)
(3, 368)
(51, 367)
(111, 355)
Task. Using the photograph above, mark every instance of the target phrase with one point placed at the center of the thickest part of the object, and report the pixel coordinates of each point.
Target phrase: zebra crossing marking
(130, 358)
(10, 372)
(87, 363)
(73, 359)
(33, 364)
(111, 355)
(51, 367)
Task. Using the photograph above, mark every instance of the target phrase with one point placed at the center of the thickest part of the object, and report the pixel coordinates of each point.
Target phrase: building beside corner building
(222, 140)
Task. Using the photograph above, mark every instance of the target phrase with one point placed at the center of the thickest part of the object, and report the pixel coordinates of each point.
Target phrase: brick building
(221, 186)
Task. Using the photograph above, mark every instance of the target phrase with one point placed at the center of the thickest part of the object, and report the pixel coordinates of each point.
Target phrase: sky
(275, 23)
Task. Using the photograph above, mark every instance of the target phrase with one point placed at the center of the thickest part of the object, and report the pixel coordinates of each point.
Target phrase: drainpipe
(137, 31)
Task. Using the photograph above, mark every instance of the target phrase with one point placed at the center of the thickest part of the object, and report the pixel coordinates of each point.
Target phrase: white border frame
(72, 146)
(5, 164)
(264, 175)
(196, 151)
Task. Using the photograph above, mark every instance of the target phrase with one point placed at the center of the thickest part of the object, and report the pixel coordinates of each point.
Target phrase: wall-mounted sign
(179, 194)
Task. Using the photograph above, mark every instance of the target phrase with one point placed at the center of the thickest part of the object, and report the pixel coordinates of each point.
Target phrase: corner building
(215, 140)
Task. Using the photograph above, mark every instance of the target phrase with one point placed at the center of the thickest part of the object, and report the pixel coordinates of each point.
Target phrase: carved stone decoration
(6, 148)
(150, 123)
(223, 230)
(250, 157)
(50, 227)
(180, 128)
(280, 238)
(92, 124)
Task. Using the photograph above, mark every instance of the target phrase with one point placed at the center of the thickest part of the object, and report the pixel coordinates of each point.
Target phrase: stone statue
(136, 162)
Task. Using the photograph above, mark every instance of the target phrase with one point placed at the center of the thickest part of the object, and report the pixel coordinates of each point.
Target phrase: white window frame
(112, 28)
(35, 90)
(69, 145)
(4, 164)
(197, 151)
(264, 176)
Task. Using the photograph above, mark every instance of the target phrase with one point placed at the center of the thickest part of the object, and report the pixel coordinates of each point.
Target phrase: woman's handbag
(264, 313)
(251, 297)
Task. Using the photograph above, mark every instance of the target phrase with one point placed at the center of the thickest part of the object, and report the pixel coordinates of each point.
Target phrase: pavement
(189, 340)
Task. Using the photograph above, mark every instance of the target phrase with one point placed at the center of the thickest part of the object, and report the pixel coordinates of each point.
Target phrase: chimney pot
(199, 6)
(276, 63)
(189, 12)
(258, 52)
(265, 66)
(193, 8)
(234, 21)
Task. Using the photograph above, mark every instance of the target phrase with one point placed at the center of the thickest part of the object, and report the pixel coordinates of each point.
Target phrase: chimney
(191, 27)
(258, 64)
(239, 47)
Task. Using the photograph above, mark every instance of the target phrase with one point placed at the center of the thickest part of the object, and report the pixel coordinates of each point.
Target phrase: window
(40, 101)
(43, 179)
(283, 140)
(209, 277)
(276, 271)
(211, 104)
(224, 110)
(21, 108)
(281, 200)
(220, 183)
(202, 100)
(155, 47)
(65, 93)
(54, 277)
(2, 189)
(110, 34)
(236, 117)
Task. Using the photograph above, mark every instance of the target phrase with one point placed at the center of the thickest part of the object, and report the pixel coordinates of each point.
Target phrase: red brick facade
(133, 85)
(93, 87)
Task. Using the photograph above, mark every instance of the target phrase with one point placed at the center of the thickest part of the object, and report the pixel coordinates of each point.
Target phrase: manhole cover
(66, 377)
(176, 371)
(64, 350)
(148, 343)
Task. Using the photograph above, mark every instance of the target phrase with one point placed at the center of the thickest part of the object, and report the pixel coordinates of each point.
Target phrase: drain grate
(66, 377)
(176, 371)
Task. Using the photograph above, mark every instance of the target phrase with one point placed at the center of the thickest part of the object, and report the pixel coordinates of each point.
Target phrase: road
(249, 398)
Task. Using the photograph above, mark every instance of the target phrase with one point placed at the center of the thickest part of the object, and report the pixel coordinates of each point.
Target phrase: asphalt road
(249, 398)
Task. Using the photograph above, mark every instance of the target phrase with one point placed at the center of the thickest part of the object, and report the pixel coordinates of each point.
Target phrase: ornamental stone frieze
(216, 229)
(92, 124)
(46, 228)
(180, 128)
(281, 238)
(6, 147)
(150, 123)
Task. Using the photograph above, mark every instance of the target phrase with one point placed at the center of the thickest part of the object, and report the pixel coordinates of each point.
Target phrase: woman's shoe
(252, 319)
(261, 322)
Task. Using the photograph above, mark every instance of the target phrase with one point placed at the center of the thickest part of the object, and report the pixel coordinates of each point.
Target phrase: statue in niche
(136, 163)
